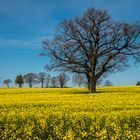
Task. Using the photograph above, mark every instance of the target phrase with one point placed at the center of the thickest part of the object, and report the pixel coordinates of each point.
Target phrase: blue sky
(25, 23)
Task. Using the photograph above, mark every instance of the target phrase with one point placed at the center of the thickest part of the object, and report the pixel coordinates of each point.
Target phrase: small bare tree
(42, 78)
(7, 82)
(62, 79)
(54, 82)
(48, 80)
(30, 78)
(80, 80)
(108, 83)
(93, 44)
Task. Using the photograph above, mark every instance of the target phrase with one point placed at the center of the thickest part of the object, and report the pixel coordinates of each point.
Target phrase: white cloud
(30, 44)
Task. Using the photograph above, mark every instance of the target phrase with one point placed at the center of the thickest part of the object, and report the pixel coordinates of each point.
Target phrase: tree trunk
(42, 84)
(30, 85)
(92, 85)
(20, 85)
(8, 85)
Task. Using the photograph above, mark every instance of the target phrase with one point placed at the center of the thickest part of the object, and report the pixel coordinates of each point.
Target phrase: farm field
(70, 113)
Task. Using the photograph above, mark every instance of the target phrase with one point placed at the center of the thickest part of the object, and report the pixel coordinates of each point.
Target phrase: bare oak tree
(63, 79)
(80, 80)
(54, 82)
(93, 44)
(30, 78)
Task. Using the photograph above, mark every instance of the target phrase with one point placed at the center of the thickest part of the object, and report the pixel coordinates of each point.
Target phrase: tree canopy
(19, 80)
(30, 79)
(7, 82)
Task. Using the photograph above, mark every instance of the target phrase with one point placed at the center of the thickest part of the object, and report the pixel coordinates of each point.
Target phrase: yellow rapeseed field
(112, 113)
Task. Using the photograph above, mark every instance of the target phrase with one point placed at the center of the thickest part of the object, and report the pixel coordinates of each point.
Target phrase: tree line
(46, 80)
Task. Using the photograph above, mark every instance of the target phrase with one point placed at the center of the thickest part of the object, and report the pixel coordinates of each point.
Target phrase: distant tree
(54, 82)
(62, 79)
(7, 82)
(30, 79)
(99, 82)
(138, 83)
(80, 80)
(19, 80)
(93, 44)
(42, 78)
(48, 80)
(108, 83)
